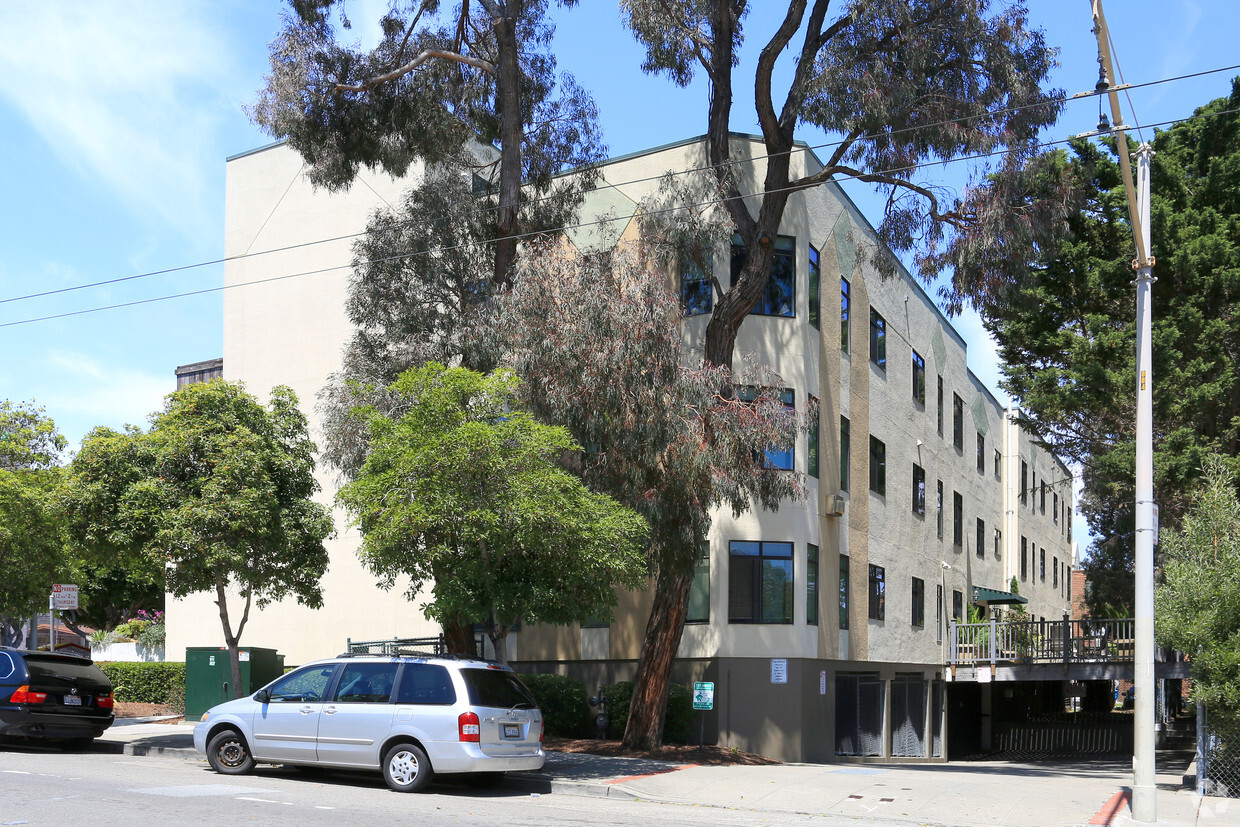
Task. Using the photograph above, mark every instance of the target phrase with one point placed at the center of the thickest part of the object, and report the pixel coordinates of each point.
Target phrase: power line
(546, 231)
(616, 185)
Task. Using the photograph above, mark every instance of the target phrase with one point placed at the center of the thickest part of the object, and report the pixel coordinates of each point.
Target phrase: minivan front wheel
(406, 768)
(228, 753)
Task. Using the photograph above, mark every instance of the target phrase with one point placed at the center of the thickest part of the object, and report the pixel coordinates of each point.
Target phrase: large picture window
(760, 579)
(696, 292)
(780, 296)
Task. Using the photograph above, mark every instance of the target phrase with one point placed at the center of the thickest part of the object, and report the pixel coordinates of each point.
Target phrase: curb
(539, 784)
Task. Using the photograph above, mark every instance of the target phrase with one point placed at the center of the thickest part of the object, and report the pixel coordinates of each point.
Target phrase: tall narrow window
(981, 453)
(699, 591)
(1055, 572)
(815, 303)
(811, 584)
(696, 292)
(957, 519)
(845, 447)
(878, 340)
(760, 582)
(957, 422)
(919, 490)
(940, 409)
(1068, 520)
(981, 537)
(1024, 558)
(998, 544)
(938, 611)
(1042, 504)
(844, 314)
(939, 509)
(957, 605)
(811, 458)
(878, 467)
(843, 591)
(919, 378)
(779, 298)
(919, 602)
(1024, 482)
(998, 465)
(878, 592)
(1055, 509)
(1042, 565)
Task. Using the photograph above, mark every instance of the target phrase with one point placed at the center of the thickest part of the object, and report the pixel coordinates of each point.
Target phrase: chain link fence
(1218, 756)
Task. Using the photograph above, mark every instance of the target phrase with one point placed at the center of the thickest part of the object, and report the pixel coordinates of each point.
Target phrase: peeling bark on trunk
(654, 670)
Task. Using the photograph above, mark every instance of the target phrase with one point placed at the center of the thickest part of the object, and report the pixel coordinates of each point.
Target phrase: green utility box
(208, 675)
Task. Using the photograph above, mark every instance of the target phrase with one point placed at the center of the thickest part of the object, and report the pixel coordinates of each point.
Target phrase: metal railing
(1041, 641)
(429, 646)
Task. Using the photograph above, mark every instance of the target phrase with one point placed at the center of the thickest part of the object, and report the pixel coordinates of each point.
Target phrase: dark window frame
(877, 593)
(919, 379)
(777, 300)
(957, 422)
(780, 552)
(878, 466)
(878, 340)
(919, 490)
(811, 584)
(845, 449)
(918, 600)
(957, 519)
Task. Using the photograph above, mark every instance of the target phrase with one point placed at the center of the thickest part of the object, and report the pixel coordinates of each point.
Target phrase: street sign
(64, 596)
(704, 695)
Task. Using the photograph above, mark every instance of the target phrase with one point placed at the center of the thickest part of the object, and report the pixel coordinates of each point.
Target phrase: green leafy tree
(1197, 605)
(217, 492)
(464, 491)
(599, 340)
(901, 84)
(31, 554)
(1067, 333)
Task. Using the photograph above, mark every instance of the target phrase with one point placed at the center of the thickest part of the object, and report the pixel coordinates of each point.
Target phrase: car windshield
(497, 688)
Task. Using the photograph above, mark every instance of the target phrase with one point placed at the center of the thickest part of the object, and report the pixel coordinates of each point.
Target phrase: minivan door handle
(331, 710)
(306, 710)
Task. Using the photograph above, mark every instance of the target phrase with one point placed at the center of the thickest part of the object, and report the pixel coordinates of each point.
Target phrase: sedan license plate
(72, 700)
(512, 730)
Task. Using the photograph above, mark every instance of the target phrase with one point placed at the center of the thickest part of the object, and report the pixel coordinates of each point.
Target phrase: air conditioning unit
(835, 504)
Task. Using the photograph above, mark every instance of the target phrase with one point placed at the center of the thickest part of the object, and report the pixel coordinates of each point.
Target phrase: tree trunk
(511, 127)
(654, 669)
(230, 640)
(458, 637)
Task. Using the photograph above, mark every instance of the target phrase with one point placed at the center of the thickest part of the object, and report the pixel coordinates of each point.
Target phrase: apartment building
(822, 624)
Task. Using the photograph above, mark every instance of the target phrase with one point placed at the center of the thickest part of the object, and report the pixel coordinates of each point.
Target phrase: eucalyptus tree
(897, 85)
(217, 494)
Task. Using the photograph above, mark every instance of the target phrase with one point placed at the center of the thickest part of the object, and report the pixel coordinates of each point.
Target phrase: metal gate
(908, 716)
(858, 714)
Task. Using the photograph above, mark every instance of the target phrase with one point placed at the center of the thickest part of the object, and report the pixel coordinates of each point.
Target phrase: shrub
(676, 724)
(563, 703)
(147, 683)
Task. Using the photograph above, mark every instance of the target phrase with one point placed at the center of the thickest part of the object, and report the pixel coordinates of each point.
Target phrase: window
(696, 292)
(878, 592)
(998, 544)
(1024, 482)
(957, 519)
(998, 465)
(843, 591)
(981, 537)
(957, 422)
(759, 582)
(1042, 565)
(938, 611)
(981, 453)
(878, 467)
(1055, 509)
(878, 340)
(811, 584)
(919, 379)
(1068, 519)
(1055, 572)
(919, 490)
(844, 314)
(775, 456)
(919, 602)
(845, 447)
(779, 299)
(811, 458)
(815, 303)
(940, 408)
(1042, 504)
(425, 683)
(957, 605)
(1033, 490)
(939, 509)
(299, 686)
(365, 683)
(699, 590)
(1024, 558)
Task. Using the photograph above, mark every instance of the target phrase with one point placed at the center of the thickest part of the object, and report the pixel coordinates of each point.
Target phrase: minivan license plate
(512, 731)
(72, 700)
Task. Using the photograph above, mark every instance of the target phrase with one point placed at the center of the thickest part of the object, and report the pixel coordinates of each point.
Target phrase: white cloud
(90, 392)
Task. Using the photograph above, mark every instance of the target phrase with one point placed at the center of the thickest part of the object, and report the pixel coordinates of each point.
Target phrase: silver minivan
(411, 717)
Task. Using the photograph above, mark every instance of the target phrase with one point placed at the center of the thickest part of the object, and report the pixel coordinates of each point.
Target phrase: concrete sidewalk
(1029, 794)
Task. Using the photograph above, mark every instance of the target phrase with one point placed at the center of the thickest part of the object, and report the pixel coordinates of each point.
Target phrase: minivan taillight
(104, 701)
(23, 695)
(467, 724)
(542, 729)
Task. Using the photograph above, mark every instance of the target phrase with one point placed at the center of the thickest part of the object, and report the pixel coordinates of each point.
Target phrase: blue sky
(118, 116)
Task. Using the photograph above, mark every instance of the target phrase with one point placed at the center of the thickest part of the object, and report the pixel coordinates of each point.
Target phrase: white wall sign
(779, 670)
(64, 596)
(822, 682)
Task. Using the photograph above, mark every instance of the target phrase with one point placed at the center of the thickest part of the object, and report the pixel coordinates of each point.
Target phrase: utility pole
(1144, 787)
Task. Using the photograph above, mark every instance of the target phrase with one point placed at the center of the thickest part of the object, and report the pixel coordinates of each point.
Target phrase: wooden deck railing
(1047, 641)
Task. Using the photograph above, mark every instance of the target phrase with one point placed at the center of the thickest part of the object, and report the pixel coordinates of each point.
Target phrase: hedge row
(146, 683)
(566, 713)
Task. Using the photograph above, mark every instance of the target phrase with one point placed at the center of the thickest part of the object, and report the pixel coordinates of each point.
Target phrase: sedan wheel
(227, 753)
(406, 768)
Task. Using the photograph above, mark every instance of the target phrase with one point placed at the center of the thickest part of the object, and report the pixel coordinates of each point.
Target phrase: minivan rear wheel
(228, 753)
(406, 769)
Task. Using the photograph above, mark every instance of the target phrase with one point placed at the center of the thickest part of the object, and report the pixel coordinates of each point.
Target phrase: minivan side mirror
(262, 696)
